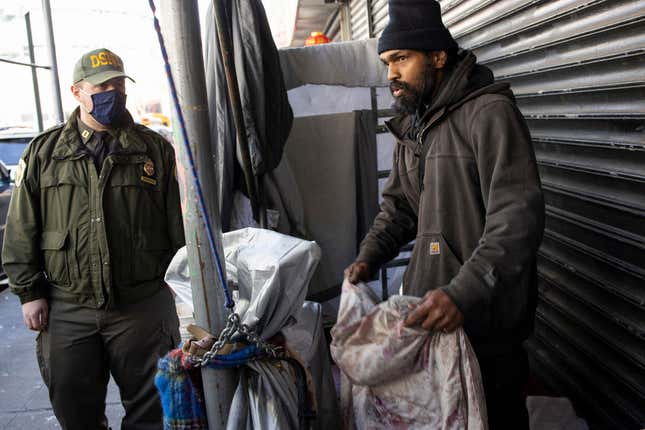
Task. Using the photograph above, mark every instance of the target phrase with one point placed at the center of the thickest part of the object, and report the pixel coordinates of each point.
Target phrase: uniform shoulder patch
(20, 172)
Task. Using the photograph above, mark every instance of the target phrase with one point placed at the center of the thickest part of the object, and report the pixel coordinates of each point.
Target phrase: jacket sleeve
(393, 227)
(512, 195)
(173, 205)
(21, 255)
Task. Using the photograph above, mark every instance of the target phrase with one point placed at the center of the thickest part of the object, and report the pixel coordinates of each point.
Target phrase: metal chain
(234, 326)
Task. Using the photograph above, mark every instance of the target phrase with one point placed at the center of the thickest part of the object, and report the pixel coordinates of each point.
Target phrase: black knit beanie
(416, 24)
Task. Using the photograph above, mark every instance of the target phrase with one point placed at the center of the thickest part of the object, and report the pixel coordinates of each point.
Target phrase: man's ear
(75, 90)
(439, 58)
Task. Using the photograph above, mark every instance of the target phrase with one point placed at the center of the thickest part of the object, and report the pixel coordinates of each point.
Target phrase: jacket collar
(69, 142)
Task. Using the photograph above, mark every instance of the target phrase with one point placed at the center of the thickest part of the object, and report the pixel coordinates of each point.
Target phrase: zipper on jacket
(422, 156)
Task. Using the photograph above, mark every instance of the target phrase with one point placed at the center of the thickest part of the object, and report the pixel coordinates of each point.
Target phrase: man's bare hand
(358, 272)
(436, 312)
(35, 314)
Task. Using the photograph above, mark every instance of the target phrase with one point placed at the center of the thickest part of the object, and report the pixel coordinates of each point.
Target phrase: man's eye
(401, 59)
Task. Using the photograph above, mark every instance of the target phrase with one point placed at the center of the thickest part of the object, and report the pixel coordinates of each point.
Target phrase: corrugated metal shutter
(577, 68)
(360, 19)
(379, 13)
(332, 28)
(368, 18)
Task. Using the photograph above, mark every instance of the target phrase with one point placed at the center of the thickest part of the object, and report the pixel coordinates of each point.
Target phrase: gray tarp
(350, 64)
(272, 272)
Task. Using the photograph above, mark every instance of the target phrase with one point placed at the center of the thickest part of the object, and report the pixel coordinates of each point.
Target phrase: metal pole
(22, 63)
(224, 36)
(34, 74)
(180, 26)
(58, 104)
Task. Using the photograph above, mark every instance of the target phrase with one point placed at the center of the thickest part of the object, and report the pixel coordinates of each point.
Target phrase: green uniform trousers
(83, 346)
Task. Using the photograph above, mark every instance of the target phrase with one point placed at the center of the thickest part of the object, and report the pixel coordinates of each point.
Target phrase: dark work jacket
(93, 238)
(477, 215)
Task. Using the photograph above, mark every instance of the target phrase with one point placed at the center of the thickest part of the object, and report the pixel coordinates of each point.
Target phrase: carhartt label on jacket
(435, 248)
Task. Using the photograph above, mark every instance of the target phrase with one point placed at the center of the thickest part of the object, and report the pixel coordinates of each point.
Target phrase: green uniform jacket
(474, 206)
(94, 239)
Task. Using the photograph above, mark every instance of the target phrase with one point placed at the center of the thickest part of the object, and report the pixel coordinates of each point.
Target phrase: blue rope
(200, 195)
(237, 358)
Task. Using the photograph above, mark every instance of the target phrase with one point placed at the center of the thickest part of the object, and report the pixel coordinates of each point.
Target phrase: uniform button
(106, 264)
(98, 219)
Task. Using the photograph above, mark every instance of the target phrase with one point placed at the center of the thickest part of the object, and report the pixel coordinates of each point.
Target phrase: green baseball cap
(99, 66)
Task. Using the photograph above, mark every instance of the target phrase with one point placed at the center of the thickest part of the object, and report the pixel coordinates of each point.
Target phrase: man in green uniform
(93, 222)
(465, 186)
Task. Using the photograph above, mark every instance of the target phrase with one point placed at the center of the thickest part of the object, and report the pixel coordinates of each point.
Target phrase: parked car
(12, 145)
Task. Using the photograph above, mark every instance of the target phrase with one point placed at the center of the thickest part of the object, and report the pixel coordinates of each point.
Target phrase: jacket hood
(467, 81)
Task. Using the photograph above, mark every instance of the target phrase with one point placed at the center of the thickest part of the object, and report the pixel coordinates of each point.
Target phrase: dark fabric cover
(267, 113)
(334, 163)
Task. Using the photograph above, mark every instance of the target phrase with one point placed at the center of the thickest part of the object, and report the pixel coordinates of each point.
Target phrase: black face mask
(413, 99)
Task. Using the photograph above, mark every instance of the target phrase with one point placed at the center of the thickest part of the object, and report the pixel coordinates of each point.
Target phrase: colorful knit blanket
(180, 386)
(181, 390)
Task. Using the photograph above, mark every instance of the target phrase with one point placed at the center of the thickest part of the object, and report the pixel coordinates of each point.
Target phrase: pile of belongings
(291, 387)
(397, 377)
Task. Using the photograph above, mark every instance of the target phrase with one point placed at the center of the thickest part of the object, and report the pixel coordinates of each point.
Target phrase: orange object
(150, 118)
(316, 38)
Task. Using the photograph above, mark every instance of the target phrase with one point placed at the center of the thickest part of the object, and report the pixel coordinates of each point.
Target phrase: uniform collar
(84, 131)
(69, 143)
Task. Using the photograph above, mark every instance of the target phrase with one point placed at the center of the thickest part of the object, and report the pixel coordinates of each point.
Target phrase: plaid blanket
(180, 386)
(182, 393)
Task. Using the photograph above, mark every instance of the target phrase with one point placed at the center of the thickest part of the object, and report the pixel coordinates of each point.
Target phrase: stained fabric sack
(399, 377)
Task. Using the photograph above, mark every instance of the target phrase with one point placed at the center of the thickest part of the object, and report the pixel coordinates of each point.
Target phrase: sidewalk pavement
(24, 402)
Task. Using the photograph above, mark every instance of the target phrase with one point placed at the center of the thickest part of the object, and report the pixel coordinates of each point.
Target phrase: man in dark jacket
(465, 185)
(93, 222)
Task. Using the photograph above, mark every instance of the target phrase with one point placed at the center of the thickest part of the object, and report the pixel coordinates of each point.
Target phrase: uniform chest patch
(20, 172)
(435, 248)
(149, 167)
(148, 180)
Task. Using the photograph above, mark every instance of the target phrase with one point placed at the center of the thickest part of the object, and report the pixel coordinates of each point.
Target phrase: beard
(413, 96)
